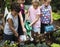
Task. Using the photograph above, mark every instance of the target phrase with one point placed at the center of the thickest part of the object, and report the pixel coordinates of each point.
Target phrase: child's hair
(15, 6)
(47, 0)
(37, 1)
(19, 1)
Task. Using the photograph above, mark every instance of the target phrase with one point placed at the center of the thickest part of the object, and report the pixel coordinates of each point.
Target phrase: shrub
(56, 16)
(7, 43)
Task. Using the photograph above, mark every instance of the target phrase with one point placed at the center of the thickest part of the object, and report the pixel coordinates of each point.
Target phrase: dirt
(57, 24)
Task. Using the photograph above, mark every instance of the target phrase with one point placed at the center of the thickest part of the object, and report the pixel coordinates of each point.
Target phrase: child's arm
(51, 16)
(27, 15)
(35, 20)
(12, 27)
(3, 21)
(37, 17)
(25, 12)
(22, 23)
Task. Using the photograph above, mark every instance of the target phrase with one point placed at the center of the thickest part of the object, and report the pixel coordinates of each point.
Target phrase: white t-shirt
(7, 30)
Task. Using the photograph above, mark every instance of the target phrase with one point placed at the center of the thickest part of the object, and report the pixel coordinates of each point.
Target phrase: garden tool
(29, 29)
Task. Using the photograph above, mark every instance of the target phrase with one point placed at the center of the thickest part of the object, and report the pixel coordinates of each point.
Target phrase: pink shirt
(33, 12)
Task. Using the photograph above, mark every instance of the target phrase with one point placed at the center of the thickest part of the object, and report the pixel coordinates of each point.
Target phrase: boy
(11, 26)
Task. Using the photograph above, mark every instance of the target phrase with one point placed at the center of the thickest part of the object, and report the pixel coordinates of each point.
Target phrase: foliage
(2, 5)
(37, 45)
(55, 45)
(55, 5)
(28, 2)
(7, 43)
(30, 45)
(56, 34)
(7, 4)
(58, 39)
(42, 45)
(56, 16)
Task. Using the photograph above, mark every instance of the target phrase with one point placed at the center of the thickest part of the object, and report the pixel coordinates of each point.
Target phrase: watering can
(28, 28)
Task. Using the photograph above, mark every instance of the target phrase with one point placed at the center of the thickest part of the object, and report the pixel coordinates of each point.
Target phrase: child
(46, 17)
(11, 26)
(21, 18)
(21, 2)
(21, 28)
(34, 16)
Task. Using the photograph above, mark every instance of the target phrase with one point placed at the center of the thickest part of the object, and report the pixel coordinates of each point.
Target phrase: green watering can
(28, 28)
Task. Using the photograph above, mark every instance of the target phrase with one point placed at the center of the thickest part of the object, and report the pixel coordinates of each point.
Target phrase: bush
(56, 16)
(55, 5)
(56, 34)
(55, 45)
(30, 45)
(7, 43)
(42, 45)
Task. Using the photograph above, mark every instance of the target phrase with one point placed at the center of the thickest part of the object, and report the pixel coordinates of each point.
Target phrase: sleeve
(50, 8)
(41, 9)
(29, 9)
(20, 13)
(39, 12)
(9, 16)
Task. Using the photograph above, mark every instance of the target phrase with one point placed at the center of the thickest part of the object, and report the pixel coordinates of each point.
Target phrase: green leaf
(55, 16)
(55, 45)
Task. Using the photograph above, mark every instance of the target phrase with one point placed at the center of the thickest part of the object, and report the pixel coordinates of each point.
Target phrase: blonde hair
(35, 1)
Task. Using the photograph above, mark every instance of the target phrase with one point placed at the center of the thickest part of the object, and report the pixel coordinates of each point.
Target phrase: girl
(46, 17)
(34, 17)
(21, 18)
(21, 2)
(11, 26)
(21, 28)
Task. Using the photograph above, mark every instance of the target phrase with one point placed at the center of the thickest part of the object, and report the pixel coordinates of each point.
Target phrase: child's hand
(30, 25)
(19, 40)
(26, 11)
(16, 34)
(51, 21)
(24, 30)
(41, 14)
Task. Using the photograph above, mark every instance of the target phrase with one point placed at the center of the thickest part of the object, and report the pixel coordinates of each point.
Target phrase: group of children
(39, 16)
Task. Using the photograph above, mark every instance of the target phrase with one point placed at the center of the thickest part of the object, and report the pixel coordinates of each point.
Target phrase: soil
(57, 24)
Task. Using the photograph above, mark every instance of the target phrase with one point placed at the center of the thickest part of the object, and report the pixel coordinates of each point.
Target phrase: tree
(28, 2)
(55, 5)
(2, 6)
